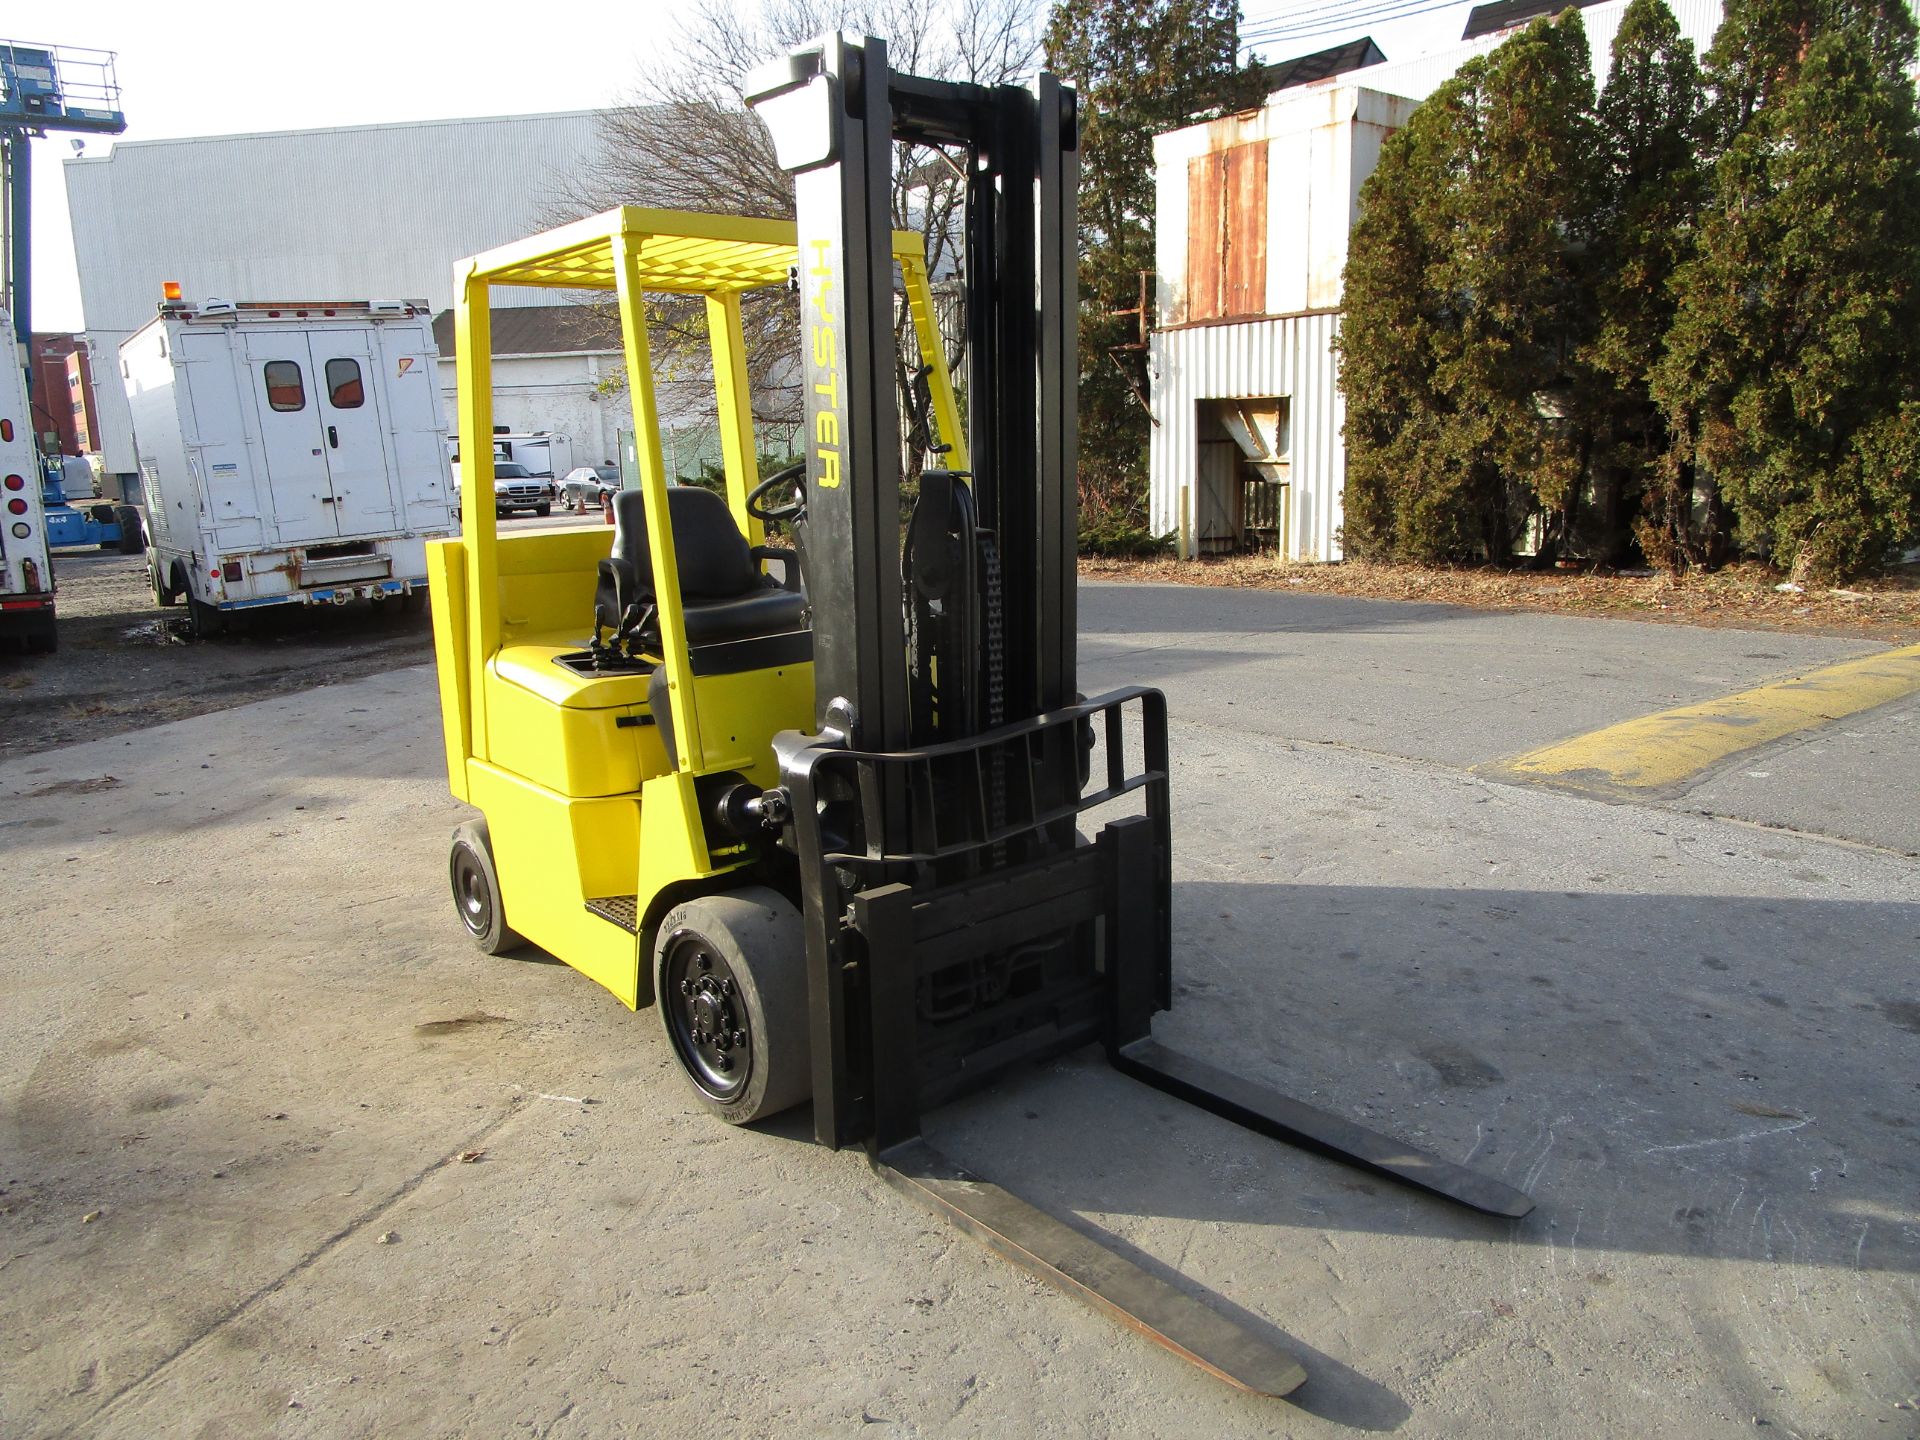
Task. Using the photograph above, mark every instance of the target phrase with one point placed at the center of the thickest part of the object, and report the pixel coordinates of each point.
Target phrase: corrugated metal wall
(1289, 357)
(353, 213)
(364, 212)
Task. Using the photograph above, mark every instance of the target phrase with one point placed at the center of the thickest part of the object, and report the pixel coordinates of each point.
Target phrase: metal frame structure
(956, 922)
(596, 828)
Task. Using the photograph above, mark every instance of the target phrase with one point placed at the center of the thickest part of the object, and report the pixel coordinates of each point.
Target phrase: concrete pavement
(1474, 687)
(244, 1046)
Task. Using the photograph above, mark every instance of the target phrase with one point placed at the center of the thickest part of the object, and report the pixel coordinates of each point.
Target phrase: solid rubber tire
(469, 860)
(760, 935)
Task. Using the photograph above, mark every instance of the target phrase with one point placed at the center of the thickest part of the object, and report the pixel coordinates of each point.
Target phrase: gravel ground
(124, 663)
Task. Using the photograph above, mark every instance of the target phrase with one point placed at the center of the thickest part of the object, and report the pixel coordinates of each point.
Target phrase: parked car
(514, 488)
(586, 487)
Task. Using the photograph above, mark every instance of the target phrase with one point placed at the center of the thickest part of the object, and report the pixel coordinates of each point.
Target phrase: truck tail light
(6, 430)
(21, 530)
(231, 569)
(17, 506)
(14, 482)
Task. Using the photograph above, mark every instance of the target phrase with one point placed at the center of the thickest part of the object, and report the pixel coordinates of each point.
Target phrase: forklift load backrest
(725, 595)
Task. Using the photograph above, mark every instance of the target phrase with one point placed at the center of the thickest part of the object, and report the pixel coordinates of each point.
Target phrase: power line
(1303, 23)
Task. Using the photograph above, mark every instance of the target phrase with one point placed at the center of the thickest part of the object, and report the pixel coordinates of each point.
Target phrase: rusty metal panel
(1245, 279)
(1206, 180)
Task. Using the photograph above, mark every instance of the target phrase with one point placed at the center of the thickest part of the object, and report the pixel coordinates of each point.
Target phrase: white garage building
(353, 213)
(1252, 217)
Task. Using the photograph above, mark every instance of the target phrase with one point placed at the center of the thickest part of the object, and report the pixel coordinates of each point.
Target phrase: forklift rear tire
(730, 984)
(476, 890)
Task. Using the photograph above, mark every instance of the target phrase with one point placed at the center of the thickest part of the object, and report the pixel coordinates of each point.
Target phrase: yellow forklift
(836, 808)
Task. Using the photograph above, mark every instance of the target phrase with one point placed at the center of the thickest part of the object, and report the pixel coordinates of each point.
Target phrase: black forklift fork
(870, 956)
(957, 920)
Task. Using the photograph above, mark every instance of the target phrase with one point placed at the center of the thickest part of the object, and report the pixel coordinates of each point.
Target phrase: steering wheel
(794, 475)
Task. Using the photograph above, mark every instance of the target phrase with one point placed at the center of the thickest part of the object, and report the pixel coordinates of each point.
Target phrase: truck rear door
(213, 431)
(411, 401)
(349, 394)
(285, 393)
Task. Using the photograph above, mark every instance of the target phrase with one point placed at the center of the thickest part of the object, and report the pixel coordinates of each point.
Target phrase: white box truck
(291, 453)
(26, 567)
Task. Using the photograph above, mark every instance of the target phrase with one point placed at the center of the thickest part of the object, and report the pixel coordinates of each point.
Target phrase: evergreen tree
(1788, 370)
(1141, 67)
(1650, 191)
(1761, 44)
(1465, 309)
(1406, 497)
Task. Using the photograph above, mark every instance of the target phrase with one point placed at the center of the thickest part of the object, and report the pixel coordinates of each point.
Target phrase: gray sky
(212, 67)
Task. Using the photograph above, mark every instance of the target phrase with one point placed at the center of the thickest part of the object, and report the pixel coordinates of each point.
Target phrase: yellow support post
(733, 390)
(653, 483)
(473, 369)
(933, 351)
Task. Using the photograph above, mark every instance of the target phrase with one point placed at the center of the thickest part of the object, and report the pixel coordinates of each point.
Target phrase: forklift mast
(835, 112)
(957, 920)
(951, 753)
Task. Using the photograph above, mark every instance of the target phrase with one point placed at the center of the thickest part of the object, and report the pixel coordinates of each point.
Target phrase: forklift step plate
(1089, 1271)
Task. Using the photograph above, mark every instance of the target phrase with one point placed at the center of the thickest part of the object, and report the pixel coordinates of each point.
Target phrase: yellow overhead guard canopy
(678, 251)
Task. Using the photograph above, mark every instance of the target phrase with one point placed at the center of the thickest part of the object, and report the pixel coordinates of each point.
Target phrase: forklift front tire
(476, 890)
(730, 983)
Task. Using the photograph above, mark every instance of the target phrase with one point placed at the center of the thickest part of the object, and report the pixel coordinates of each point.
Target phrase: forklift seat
(723, 593)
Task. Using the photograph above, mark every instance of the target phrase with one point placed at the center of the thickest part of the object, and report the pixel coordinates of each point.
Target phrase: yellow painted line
(1659, 752)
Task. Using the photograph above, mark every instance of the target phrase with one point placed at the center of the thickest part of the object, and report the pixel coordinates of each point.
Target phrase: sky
(211, 67)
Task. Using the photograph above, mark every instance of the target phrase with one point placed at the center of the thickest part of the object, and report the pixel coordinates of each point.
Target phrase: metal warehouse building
(1253, 212)
(353, 213)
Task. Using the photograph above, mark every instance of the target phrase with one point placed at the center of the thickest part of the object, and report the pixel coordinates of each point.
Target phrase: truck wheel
(543, 511)
(730, 984)
(163, 594)
(132, 542)
(476, 890)
(42, 640)
(206, 621)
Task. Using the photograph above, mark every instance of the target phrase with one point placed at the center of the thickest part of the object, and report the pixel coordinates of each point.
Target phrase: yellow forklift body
(595, 827)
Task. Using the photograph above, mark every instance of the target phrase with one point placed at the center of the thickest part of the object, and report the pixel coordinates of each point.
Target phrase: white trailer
(290, 453)
(546, 454)
(26, 568)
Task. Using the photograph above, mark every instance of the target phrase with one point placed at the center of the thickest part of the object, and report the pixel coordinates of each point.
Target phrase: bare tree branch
(684, 140)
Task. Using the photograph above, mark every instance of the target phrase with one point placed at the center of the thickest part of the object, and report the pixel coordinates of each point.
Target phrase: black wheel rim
(472, 896)
(707, 1016)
